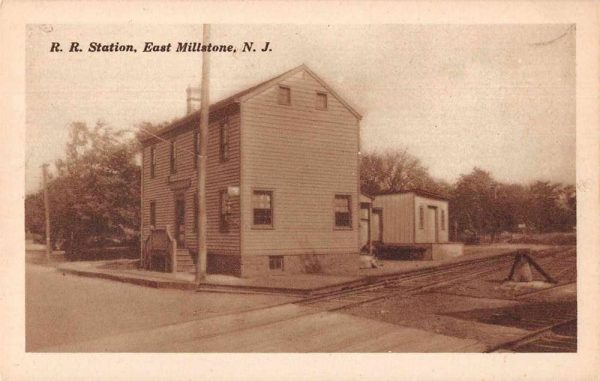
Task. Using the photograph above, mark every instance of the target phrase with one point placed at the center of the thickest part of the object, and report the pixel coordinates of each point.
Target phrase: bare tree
(396, 170)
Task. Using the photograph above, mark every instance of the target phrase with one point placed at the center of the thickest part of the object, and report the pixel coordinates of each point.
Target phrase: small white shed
(413, 218)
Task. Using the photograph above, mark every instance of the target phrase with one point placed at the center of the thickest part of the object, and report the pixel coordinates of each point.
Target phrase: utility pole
(46, 210)
(204, 110)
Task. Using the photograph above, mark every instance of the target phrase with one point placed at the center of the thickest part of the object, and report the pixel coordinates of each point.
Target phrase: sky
(498, 97)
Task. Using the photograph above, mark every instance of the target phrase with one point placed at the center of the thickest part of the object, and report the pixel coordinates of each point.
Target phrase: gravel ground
(485, 308)
(428, 312)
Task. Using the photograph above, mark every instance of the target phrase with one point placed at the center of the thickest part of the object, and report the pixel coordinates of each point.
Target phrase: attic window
(321, 101)
(284, 95)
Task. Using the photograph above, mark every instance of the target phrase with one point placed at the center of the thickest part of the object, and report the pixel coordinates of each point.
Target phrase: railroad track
(425, 280)
(555, 338)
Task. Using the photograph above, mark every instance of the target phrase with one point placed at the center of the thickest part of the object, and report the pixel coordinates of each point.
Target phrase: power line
(166, 140)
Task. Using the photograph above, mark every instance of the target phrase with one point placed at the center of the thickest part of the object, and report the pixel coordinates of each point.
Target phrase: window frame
(443, 219)
(224, 213)
(173, 157)
(317, 103)
(281, 90)
(421, 217)
(152, 212)
(224, 137)
(271, 193)
(152, 161)
(350, 225)
(276, 263)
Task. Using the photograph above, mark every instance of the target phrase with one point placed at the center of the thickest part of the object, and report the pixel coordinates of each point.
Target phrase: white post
(46, 210)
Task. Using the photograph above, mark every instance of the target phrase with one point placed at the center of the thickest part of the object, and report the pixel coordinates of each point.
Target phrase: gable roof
(247, 94)
(255, 90)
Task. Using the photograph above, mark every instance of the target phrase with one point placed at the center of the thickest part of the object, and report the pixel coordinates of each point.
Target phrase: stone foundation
(223, 264)
(447, 250)
(338, 264)
(437, 251)
(258, 265)
(421, 251)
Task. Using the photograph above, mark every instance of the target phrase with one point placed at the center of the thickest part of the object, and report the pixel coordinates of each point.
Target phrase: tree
(34, 213)
(483, 205)
(395, 171)
(511, 205)
(95, 192)
(473, 202)
(552, 206)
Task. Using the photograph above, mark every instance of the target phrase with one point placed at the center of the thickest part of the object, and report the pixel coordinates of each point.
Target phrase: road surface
(459, 310)
(65, 309)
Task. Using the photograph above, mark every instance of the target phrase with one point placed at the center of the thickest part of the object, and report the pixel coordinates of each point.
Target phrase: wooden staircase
(185, 263)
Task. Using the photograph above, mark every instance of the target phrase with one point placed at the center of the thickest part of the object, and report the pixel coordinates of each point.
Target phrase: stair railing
(145, 251)
(172, 250)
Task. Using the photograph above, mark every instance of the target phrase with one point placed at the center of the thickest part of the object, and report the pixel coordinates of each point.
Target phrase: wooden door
(376, 225)
(431, 225)
(364, 224)
(180, 221)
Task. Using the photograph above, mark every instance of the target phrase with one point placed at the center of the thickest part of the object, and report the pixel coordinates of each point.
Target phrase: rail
(160, 244)
(172, 250)
(415, 282)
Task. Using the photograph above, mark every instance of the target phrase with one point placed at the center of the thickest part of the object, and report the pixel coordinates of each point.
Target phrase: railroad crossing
(462, 307)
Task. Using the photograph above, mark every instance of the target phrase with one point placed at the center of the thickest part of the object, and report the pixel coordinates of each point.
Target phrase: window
(152, 162)
(275, 262)
(153, 214)
(342, 209)
(421, 217)
(172, 157)
(443, 218)
(284, 95)
(196, 148)
(321, 101)
(196, 211)
(224, 140)
(262, 205)
(225, 207)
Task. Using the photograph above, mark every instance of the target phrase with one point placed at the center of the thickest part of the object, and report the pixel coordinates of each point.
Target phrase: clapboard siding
(421, 234)
(306, 157)
(398, 225)
(401, 217)
(219, 175)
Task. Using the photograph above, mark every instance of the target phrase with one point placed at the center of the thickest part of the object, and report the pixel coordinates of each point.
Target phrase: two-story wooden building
(282, 181)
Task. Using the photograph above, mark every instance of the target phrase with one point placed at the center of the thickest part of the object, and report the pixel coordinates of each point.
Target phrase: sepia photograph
(332, 195)
(263, 187)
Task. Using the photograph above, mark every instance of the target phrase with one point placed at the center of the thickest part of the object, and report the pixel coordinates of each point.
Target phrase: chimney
(190, 100)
